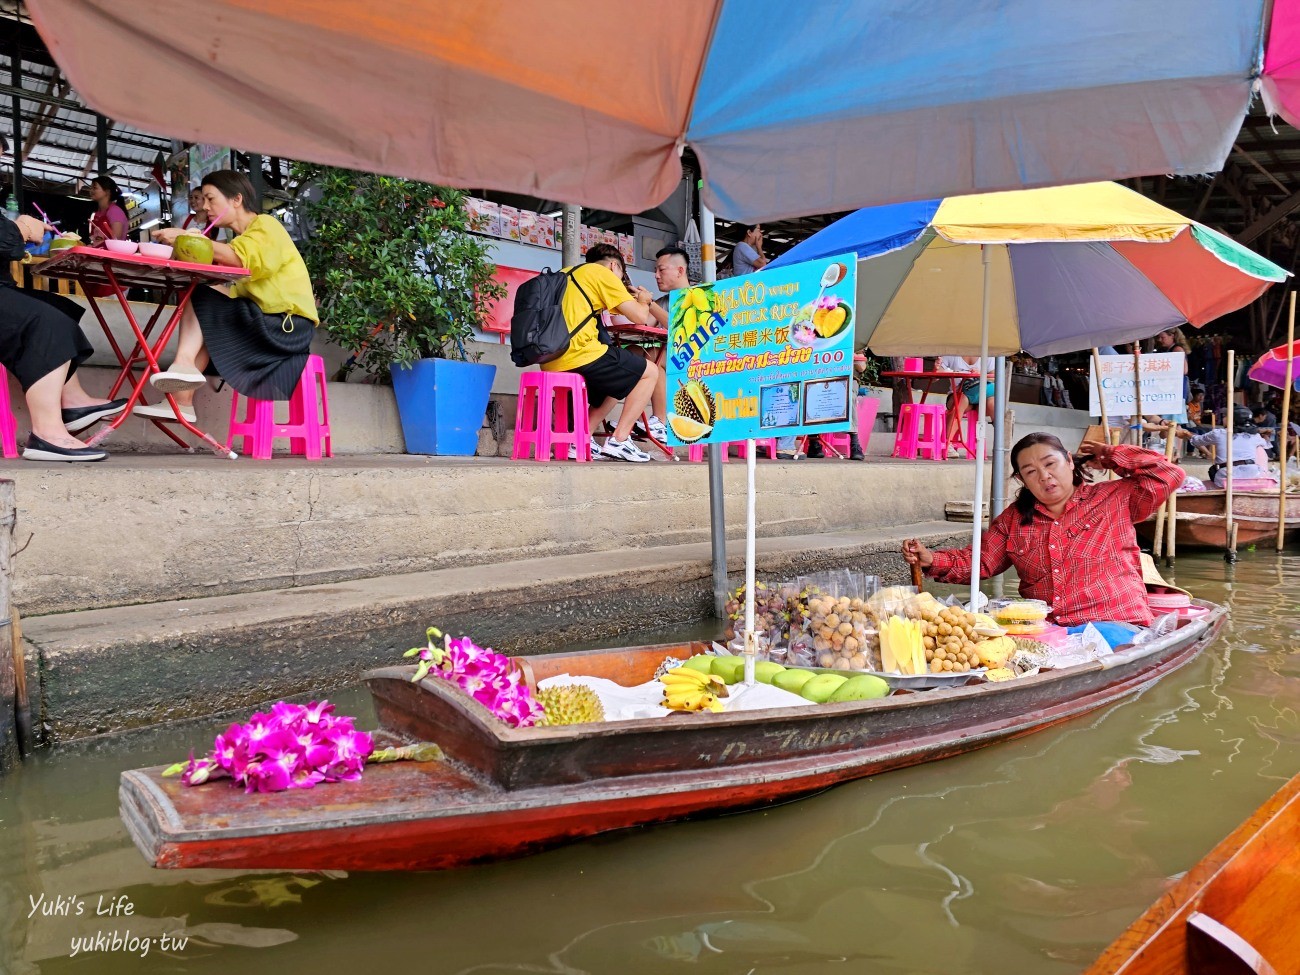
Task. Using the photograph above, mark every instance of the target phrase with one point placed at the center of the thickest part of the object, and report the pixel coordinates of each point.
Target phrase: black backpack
(538, 331)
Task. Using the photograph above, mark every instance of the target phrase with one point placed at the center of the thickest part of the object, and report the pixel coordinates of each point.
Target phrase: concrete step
(104, 670)
(149, 528)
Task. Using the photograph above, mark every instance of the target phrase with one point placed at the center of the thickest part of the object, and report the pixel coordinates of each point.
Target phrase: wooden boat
(1201, 520)
(1232, 912)
(505, 792)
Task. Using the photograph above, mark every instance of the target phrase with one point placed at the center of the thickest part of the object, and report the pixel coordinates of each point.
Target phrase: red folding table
(629, 335)
(93, 266)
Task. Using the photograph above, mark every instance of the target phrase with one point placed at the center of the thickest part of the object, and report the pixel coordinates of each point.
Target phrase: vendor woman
(256, 336)
(1071, 542)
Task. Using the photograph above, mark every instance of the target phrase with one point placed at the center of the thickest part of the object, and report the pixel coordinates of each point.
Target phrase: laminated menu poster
(765, 355)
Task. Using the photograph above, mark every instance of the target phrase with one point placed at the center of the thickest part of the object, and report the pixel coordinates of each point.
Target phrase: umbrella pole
(977, 519)
(998, 491)
(1230, 530)
(1284, 424)
(717, 508)
(751, 646)
(1162, 513)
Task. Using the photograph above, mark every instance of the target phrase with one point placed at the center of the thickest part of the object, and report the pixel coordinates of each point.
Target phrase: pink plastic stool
(914, 365)
(552, 414)
(868, 407)
(309, 418)
(8, 425)
(695, 452)
(922, 432)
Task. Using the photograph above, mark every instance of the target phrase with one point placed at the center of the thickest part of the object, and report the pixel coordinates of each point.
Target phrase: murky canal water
(1025, 857)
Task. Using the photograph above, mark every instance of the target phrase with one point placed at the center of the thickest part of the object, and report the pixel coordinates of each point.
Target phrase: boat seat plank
(1215, 949)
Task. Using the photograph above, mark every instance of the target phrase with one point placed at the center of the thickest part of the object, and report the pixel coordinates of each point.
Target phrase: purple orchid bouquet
(488, 677)
(293, 747)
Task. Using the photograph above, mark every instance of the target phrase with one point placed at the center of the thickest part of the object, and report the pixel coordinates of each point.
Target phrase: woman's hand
(1097, 454)
(167, 235)
(914, 553)
(33, 230)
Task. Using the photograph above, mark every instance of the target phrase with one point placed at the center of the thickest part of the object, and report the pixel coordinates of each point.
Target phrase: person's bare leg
(185, 397)
(45, 404)
(74, 395)
(637, 400)
(596, 414)
(659, 401)
(189, 343)
(956, 417)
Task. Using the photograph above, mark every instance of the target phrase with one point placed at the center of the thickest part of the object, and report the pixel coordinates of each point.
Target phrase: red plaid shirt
(1085, 563)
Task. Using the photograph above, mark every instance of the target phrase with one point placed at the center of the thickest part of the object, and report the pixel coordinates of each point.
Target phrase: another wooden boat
(1202, 521)
(1232, 912)
(505, 792)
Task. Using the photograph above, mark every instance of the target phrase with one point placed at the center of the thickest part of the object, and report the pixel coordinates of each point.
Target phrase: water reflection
(1025, 857)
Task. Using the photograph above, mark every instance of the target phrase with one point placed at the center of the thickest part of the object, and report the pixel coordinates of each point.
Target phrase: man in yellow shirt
(611, 373)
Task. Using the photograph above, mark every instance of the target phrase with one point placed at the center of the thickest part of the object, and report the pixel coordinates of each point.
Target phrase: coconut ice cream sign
(766, 355)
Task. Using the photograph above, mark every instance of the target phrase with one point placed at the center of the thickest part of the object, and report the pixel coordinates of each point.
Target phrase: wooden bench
(25, 277)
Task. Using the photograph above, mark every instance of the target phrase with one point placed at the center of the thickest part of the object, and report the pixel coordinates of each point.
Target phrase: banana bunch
(689, 690)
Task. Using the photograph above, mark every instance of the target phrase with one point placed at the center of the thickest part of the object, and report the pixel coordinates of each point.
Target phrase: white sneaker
(161, 411)
(657, 429)
(624, 450)
(595, 450)
(172, 381)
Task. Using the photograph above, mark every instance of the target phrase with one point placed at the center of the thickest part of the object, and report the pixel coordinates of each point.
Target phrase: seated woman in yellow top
(257, 333)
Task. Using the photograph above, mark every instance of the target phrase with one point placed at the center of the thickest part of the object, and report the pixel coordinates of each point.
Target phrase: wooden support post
(1231, 529)
(1137, 392)
(1162, 513)
(1284, 424)
(11, 663)
(1101, 399)
(1170, 544)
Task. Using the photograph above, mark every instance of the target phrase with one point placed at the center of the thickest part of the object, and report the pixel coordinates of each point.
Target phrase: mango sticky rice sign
(764, 355)
(1162, 385)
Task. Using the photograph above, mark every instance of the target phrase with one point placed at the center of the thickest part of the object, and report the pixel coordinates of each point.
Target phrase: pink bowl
(151, 249)
(121, 246)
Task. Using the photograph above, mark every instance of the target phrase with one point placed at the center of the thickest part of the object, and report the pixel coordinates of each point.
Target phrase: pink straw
(218, 218)
(44, 215)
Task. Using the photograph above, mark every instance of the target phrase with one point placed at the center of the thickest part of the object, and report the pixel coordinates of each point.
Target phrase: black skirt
(39, 333)
(259, 355)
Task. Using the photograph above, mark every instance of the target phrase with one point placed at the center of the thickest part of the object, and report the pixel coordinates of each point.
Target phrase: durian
(569, 704)
(694, 401)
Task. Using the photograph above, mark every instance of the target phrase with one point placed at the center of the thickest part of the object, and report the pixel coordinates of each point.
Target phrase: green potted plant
(402, 284)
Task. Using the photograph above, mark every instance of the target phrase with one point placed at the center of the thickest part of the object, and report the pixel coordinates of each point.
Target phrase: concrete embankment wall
(142, 529)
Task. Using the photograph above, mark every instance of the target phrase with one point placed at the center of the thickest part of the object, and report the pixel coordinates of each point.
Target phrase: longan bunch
(839, 630)
(948, 637)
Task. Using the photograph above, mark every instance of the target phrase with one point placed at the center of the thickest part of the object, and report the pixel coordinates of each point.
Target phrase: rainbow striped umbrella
(1050, 270)
(791, 108)
(1068, 268)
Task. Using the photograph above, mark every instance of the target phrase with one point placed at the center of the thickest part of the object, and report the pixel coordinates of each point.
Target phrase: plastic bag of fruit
(771, 614)
(838, 631)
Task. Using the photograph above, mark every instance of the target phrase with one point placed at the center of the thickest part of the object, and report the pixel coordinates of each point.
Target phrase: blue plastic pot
(441, 404)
